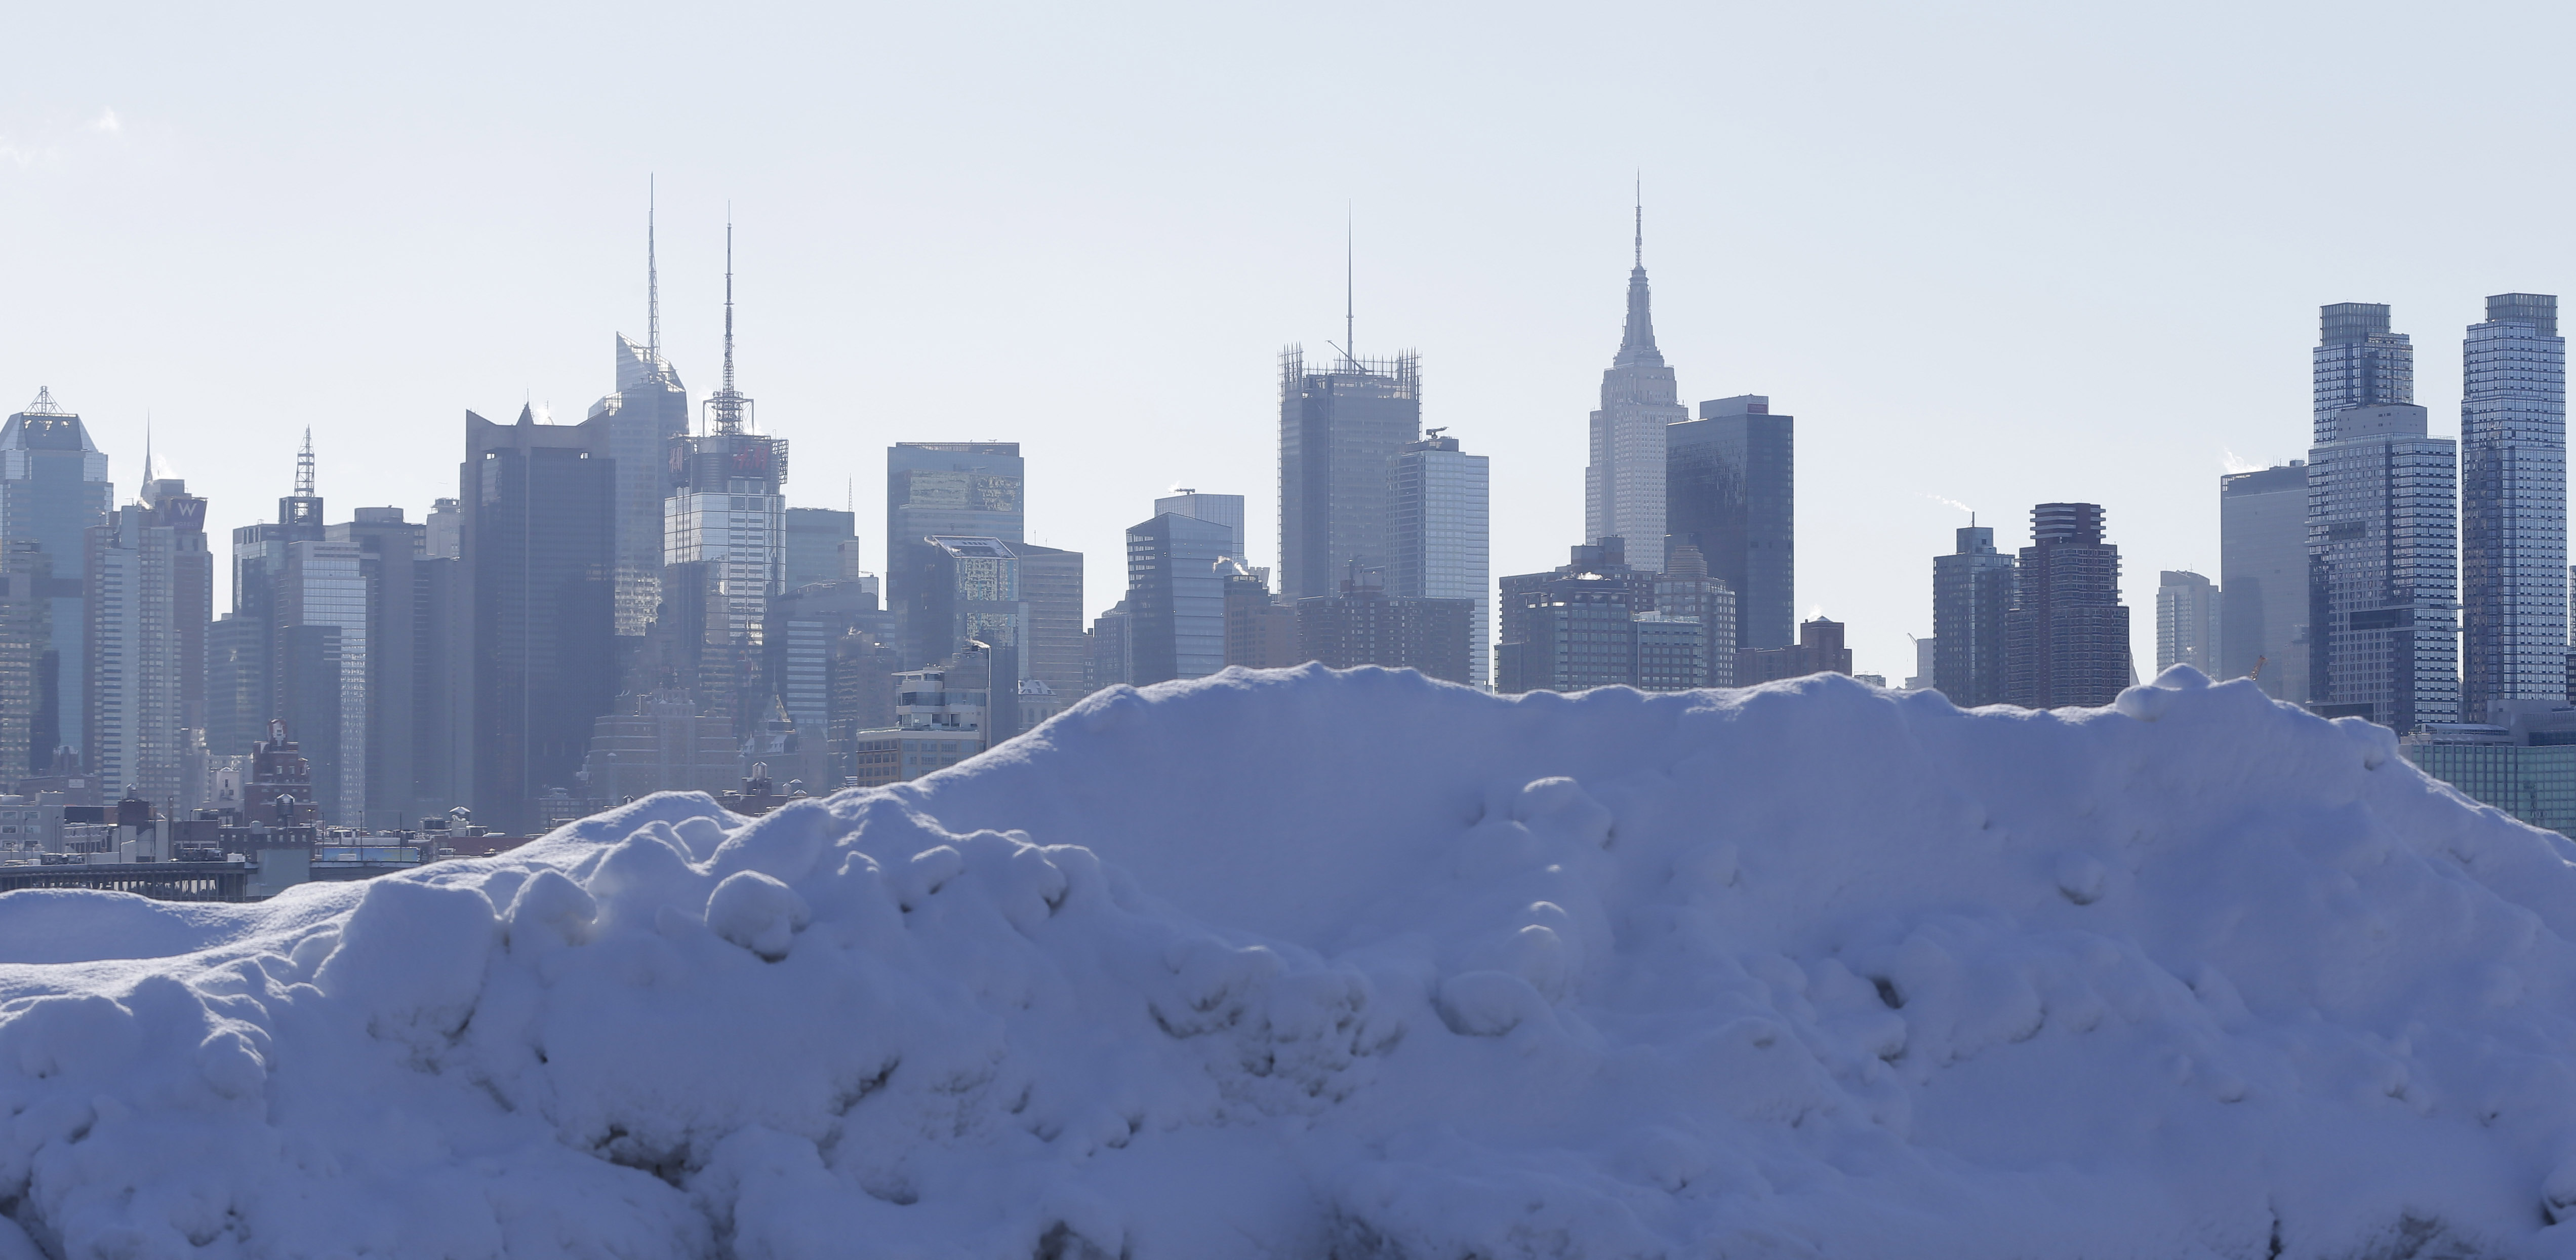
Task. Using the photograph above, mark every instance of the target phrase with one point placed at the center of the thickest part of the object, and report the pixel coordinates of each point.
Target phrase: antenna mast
(304, 467)
(1641, 220)
(727, 405)
(1350, 344)
(652, 281)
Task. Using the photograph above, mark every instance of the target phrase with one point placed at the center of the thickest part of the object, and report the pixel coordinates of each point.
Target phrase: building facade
(1972, 599)
(2263, 577)
(2066, 641)
(1685, 590)
(1439, 537)
(1338, 426)
(963, 489)
(135, 729)
(1367, 624)
(822, 545)
(1176, 597)
(2382, 563)
(1819, 650)
(2513, 505)
(2187, 621)
(1575, 627)
(1731, 491)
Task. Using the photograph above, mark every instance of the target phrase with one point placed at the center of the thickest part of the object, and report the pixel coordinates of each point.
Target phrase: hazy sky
(1990, 255)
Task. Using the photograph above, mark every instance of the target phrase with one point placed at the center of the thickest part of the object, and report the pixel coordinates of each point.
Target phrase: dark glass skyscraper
(540, 543)
(53, 486)
(1972, 599)
(2513, 506)
(1731, 491)
(1337, 427)
(2067, 638)
(1176, 596)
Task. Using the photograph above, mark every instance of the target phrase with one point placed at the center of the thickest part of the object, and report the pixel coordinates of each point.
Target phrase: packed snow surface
(1307, 964)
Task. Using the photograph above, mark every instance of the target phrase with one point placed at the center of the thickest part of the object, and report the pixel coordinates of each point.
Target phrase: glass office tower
(1731, 491)
(1438, 532)
(2513, 506)
(966, 489)
(53, 486)
(2263, 579)
(1338, 426)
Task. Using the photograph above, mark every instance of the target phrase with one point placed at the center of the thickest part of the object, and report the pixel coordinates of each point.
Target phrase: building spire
(652, 281)
(1637, 344)
(304, 467)
(1350, 275)
(726, 406)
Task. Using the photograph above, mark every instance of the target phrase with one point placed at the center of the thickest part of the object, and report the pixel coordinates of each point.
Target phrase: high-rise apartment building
(1685, 590)
(1972, 599)
(2513, 506)
(1819, 650)
(1577, 626)
(1731, 491)
(960, 489)
(53, 486)
(2382, 533)
(29, 716)
(1337, 427)
(646, 416)
(538, 607)
(2186, 621)
(1438, 536)
(1623, 486)
(1176, 597)
(2066, 641)
(2263, 577)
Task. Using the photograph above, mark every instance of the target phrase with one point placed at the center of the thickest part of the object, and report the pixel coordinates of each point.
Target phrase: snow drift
(1307, 964)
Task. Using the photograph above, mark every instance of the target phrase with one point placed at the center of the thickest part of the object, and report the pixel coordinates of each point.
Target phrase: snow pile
(1307, 964)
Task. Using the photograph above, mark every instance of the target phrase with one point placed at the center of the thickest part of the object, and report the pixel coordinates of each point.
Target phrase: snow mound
(1309, 964)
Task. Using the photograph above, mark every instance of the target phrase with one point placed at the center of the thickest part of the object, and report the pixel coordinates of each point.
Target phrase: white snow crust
(1357, 965)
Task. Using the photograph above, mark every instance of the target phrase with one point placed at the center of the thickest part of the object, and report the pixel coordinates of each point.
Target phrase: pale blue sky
(1995, 254)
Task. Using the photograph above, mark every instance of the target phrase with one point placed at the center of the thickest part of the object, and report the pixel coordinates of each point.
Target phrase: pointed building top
(527, 413)
(727, 405)
(652, 280)
(45, 404)
(1637, 344)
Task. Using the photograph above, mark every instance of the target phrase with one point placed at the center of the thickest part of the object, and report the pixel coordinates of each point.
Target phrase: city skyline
(2033, 256)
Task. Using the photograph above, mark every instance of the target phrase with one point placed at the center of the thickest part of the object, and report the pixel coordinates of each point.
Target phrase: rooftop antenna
(652, 280)
(1350, 272)
(1641, 219)
(304, 467)
(727, 404)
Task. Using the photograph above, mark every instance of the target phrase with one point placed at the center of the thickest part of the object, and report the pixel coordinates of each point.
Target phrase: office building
(168, 505)
(1054, 654)
(1819, 650)
(958, 489)
(1366, 624)
(1437, 536)
(2522, 762)
(1223, 509)
(658, 742)
(724, 544)
(822, 545)
(321, 672)
(1685, 590)
(1972, 598)
(2513, 505)
(53, 487)
(804, 627)
(1623, 486)
(1338, 425)
(406, 684)
(2263, 574)
(135, 738)
(2383, 619)
(2186, 622)
(941, 718)
(1927, 661)
(538, 608)
(646, 417)
(1112, 647)
(1176, 597)
(1731, 491)
(2066, 640)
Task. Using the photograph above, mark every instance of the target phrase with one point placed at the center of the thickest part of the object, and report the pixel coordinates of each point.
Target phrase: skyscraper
(1366, 625)
(1337, 426)
(2382, 541)
(134, 726)
(1731, 491)
(2263, 579)
(1577, 626)
(1438, 531)
(1051, 586)
(28, 716)
(2513, 506)
(648, 413)
(1685, 590)
(822, 546)
(192, 586)
(2186, 621)
(724, 532)
(2067, 637)
(965, 489)
(1224, 509)
(53, 486)
(539, 607)
(1623, 487)
(405, 676)
(1972, 599)
(319, 642)
(1176, 597)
